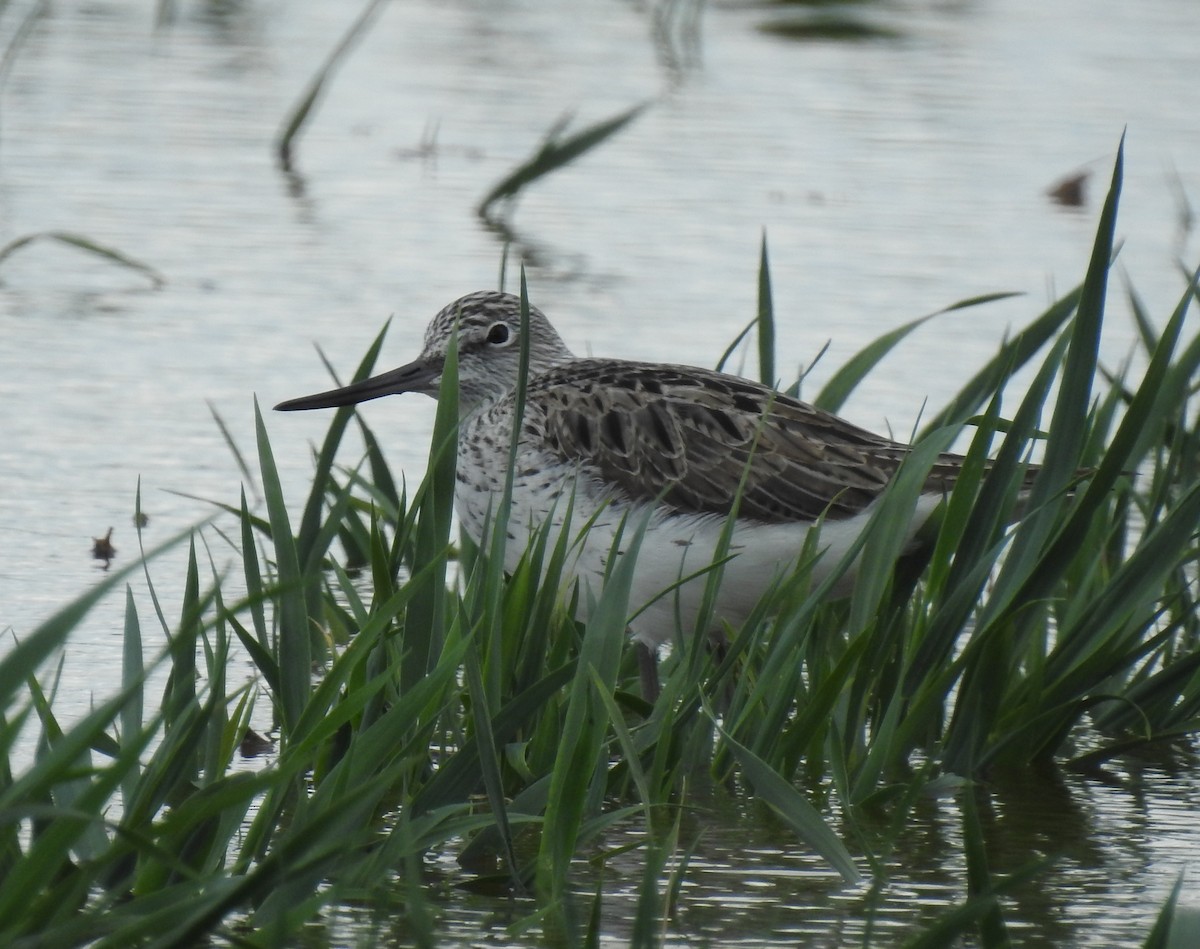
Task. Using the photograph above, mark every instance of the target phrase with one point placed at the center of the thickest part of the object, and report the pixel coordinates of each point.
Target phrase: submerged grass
(484, 721)
(89, 246)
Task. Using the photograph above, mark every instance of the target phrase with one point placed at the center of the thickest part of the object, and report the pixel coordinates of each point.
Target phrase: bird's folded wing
(689, 437)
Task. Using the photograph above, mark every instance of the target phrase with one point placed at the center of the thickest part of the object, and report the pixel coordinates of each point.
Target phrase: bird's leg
(648, 671)
(718, 645)
(910, 566)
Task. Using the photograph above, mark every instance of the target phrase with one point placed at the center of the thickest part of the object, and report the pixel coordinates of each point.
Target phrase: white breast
(674, 546)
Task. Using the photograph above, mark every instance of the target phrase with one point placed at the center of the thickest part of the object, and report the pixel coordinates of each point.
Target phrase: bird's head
(487, 326)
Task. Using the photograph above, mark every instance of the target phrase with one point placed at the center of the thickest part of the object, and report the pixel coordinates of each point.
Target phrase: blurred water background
(894, 169)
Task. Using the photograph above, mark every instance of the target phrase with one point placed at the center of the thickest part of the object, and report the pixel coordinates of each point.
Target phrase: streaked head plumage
(488, 327)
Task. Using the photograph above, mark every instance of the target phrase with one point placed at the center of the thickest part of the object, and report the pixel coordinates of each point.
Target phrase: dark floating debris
(1071, 192)
(835, 27)
(253, 744)
(141, 519)
(103, 549)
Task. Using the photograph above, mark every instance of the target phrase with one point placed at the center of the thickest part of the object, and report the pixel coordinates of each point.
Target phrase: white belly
(674, 546)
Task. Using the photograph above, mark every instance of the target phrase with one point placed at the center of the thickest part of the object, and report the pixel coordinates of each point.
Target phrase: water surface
(892, 177)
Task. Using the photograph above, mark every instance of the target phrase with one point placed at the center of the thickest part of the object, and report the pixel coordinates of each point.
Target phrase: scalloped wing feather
(689, 436)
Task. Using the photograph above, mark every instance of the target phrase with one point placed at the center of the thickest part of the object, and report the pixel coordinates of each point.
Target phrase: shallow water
(892, 178)
(1111, 850)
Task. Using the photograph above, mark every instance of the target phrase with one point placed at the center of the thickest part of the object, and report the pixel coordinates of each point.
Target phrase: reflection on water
(892, 177)
(1110, 851)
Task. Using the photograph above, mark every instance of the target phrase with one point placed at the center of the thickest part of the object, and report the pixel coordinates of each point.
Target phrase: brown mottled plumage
(687, 435)
(623, 438)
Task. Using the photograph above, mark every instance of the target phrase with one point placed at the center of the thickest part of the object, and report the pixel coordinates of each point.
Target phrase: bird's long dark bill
(417, 376)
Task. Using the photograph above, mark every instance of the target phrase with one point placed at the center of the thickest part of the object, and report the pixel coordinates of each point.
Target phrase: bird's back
(691, 438)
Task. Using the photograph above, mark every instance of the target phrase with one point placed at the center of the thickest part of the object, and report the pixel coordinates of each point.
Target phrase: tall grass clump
(423, 701)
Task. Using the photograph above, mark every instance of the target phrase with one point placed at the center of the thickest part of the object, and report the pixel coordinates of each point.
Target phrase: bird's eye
(499, 334)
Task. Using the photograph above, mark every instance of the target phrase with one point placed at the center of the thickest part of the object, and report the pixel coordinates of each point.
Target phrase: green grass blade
(1069, 421)
(295, 652)
(310, 520)
(489, 761)
(793, 808)
(766, 321)
(24, 658)
(954, 924)
(425, 617)
(581, 747)
(238, 458)
(255, 589)
(837, 390)
(992, 933)
(303, 108)
(1012, 356)
(180, 691)
(133, 675)
(554, 153)
(95, 248)
(737, 341)
(1175, 927)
